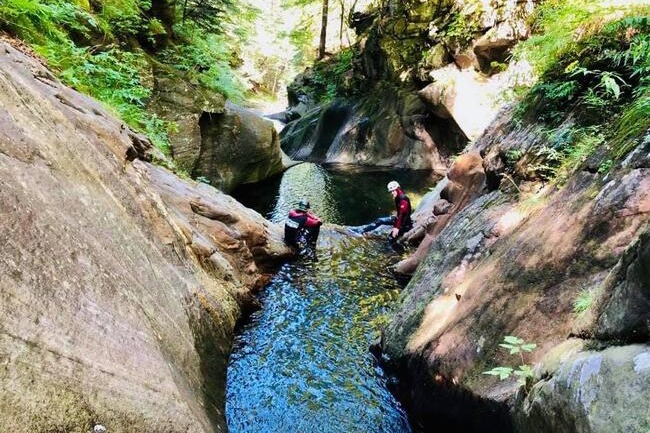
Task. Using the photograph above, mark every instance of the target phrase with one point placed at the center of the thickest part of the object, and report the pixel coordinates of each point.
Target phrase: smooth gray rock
(592, 392)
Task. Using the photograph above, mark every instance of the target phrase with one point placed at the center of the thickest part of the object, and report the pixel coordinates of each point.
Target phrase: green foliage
(605, 166)
(514, 345)
(112, 76)
(301, 37)
(331, 78)
(66, 34)
(634, 121)
(205, 59)
(124, 17)
(31, 19)
(599, 80)
(584, 300)
(585, 142)
(513, 155)
(218, 16)
(555, 26)
(462, 28)
(600, 68)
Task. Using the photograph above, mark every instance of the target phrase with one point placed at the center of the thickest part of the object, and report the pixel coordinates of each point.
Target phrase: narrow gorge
(144, 282)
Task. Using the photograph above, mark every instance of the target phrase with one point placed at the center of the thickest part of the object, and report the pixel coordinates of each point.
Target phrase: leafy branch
(514, 345)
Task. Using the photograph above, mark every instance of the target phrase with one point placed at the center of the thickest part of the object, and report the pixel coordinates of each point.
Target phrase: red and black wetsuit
(299, 221)
(403, 206)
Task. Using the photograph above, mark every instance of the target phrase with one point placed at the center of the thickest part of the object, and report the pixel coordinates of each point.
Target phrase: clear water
(301, 364)
(339, 194)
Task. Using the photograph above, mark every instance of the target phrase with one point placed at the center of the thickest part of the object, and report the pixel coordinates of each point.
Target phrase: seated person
(301, 227)
(401, 222)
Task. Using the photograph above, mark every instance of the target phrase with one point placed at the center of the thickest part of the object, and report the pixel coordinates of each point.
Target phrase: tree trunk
(323, 30)
(342, 3)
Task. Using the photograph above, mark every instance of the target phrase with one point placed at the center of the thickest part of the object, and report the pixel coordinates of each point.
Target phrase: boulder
(176, 100)
(237, 147)
(218, 141)
(591, 392)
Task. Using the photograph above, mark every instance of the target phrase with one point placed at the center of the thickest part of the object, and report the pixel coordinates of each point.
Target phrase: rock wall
(427, 78)
(390, 129)
(120, 284)
(513, 261)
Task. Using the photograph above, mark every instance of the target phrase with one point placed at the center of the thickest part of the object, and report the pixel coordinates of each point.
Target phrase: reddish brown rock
(117, 300)
(466, 181)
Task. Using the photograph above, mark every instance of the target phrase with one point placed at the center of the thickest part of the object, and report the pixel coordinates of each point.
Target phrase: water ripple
(302, 363)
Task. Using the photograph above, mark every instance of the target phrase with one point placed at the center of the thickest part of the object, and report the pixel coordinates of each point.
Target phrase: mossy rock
(435, 57)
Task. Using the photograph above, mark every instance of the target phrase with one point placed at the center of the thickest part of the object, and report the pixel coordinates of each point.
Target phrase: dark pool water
(339, 194)
(302, 363)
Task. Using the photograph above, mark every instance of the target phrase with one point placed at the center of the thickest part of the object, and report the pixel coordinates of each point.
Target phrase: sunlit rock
(118, 299)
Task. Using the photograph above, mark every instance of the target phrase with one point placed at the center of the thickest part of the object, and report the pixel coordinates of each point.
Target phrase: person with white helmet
(301, 227)
(401, 221)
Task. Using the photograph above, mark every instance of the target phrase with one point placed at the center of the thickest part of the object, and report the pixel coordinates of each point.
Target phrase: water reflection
(339, 194)
(302, 363)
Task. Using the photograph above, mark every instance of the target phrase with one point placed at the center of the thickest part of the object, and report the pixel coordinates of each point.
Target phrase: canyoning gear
(303, 205)
(402, 221)
(383, 221)
(403, 206)
(392, 186)
(301, 227)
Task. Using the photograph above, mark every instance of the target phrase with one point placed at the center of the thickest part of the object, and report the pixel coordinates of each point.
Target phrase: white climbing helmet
(392, 186)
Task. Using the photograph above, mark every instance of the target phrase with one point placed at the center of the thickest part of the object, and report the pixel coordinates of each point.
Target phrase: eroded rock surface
(591, 391)
(390, 130)
(120, 283)
(513, 262)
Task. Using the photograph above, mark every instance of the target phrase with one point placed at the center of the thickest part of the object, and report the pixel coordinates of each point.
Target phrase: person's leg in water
(312, 236)
(396, 242)
(383, 221)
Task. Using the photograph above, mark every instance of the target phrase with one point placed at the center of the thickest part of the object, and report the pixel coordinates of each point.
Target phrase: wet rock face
(393, 130)
(118, 298)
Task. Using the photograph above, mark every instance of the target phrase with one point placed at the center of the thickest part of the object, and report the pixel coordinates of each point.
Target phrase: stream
(301, 363)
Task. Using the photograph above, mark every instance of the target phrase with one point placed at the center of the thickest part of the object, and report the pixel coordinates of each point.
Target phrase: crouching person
(301, 228)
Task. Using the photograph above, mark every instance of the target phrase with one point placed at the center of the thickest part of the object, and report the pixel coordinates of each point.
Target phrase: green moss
(463, 27)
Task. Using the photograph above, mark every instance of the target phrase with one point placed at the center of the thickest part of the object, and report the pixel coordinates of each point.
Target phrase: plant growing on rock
(584, 300)
(514, 345)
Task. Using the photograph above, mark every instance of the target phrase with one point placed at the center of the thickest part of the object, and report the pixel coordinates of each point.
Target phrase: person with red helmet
(301, 227)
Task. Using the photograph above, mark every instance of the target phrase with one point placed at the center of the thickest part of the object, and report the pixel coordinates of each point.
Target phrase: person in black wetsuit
(401, 221)
(301, 227)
